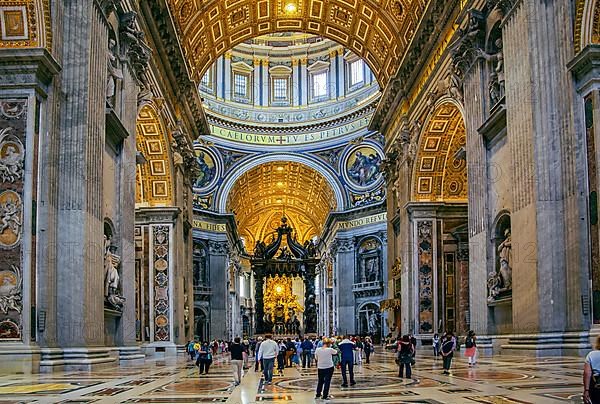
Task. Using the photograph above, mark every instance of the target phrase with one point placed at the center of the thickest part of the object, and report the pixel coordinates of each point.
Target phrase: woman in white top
(591, 373)
(324, 358)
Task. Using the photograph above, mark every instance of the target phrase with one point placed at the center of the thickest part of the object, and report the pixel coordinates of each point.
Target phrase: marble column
(161, 278)
(259, 308)
(265, 85)
(295, 82)
(547, 205)
(332, 79)
(256, 86)
(341, 73)
(217, 264)
(25, 92)
(220, 77)
(304, 81)
(227, 77)
(345, 259)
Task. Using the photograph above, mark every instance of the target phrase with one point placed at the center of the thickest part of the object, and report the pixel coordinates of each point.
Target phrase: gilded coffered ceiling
(262, 195)
(440, 171)
(376, 30)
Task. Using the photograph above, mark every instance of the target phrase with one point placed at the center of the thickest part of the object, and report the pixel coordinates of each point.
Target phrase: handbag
(596, 381)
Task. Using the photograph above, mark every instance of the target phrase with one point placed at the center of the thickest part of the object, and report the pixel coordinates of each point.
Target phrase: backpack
(469, 343)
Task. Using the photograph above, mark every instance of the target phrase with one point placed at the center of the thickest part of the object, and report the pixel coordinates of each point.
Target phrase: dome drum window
(319, 83)
(281, 78)
(241, 82)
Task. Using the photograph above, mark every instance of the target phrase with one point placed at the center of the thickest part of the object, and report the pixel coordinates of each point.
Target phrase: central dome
(288, 89)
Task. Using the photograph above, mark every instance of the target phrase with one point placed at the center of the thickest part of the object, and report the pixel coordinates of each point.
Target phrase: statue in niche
(373, 323)
(114, 72)
(127, 26)
(111, 277)
(494, 89)
(454, 83)
(493, 284)
(372, 269)
(497, 74)
(505, 256)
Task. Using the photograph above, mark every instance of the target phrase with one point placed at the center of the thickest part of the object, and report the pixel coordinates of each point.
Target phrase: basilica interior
(200, 170)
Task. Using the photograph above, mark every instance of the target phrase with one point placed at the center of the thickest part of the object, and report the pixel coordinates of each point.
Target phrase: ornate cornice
(27, 67)
(277, 129)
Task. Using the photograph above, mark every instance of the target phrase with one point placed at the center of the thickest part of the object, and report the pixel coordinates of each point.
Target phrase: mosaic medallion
(361, 167)
(209, 169)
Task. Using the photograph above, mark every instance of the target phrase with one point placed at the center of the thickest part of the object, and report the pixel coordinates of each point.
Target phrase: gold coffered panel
(25, 24)
(154, 181)
(440, 169)
(376, 30)
(263, 194)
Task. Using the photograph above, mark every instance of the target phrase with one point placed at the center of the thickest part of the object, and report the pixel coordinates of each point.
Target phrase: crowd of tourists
(443, 347)
(326, 354)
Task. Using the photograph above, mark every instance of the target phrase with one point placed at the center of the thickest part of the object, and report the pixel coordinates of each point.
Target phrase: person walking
(307, 348)
(369, 349)
(291, 350)
(436, 345)
(447, 351)
(257, 361)
(204, 359)
(281, 357)
(404, 354)
(325, 368)
(359, 350)
(471, 348)
(591, 375)
(190, 350)
(347, 349)
(237, 359)
(267, 353)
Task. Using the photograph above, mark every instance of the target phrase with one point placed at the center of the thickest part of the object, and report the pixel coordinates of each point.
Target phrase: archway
(265, 193)
(323, 170)
(201, 325)
(439, 229)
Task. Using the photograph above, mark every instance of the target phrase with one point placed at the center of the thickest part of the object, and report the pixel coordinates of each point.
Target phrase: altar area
(284, 284)
(283, 310)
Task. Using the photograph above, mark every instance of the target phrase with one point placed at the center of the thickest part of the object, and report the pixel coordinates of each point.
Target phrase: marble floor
(500, 379)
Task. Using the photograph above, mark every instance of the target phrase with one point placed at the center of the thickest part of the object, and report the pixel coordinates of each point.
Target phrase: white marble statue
(114, 74)
(505, 255)
(111, 277)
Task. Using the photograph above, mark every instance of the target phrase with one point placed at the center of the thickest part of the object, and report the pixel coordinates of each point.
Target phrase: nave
(502, 379)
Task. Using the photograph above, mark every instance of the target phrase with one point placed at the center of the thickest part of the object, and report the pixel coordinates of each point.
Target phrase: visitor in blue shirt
(347, 348)
(307, 347)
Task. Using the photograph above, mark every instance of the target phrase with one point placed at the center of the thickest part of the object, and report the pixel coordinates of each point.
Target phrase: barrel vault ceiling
(377, 30)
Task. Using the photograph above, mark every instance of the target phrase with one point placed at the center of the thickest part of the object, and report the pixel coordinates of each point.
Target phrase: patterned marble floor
(502, 380)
